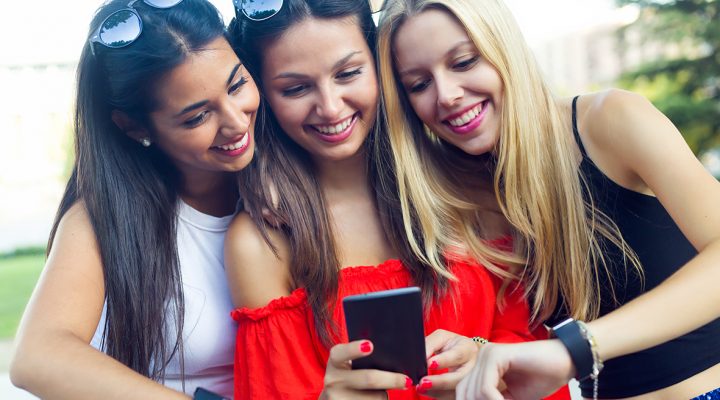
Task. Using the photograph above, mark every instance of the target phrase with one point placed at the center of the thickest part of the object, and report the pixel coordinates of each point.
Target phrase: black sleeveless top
(662, 249)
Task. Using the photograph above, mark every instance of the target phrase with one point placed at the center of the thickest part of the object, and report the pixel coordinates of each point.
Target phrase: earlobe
(130, 127)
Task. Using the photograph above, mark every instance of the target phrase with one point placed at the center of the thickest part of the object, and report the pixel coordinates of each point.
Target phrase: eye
(348, 74)
(196, 120)
(237, 85)
(294, 90)
(419, 86)
(465, 63)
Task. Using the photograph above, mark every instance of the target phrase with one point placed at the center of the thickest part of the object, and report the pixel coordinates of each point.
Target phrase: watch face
(204, 394)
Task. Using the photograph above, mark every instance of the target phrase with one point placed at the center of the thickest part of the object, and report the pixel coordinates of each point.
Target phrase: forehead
(314, 43)
(198, 77)
(413, 44)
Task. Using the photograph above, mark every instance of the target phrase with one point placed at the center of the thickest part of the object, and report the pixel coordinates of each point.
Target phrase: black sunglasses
(257, 10)
(260, 10)
(124, 26)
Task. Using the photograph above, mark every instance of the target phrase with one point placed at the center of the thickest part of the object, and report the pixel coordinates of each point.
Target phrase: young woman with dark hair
(133, 294)
(325, 180)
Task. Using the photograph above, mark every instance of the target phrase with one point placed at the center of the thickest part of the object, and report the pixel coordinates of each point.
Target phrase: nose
(235, 121)
(449, 92)
(329, 104)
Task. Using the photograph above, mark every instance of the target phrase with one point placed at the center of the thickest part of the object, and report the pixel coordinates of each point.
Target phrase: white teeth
(333, 129)
(234, 146)
(466, 117)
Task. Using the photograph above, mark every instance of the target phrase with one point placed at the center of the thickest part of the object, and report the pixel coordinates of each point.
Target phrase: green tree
(684, 81)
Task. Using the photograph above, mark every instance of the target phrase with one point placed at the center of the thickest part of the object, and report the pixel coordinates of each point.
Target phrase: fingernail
(433, 365)
(408, 383)
(365, 347)
(424, 386)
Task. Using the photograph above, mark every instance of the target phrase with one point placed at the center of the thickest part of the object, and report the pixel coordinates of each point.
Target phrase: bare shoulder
(615, 108)
(75, 245)
(257, 272)
(617, 126)
(70, 293)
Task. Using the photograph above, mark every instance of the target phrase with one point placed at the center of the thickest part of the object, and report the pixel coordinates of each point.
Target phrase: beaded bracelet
(479, 340)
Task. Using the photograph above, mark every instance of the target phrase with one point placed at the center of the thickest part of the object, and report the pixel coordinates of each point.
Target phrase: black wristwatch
(571, 335)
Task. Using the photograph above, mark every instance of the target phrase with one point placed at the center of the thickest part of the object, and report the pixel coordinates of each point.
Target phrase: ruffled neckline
(297, 299)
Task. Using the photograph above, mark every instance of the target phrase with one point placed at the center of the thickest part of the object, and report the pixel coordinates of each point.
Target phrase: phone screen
(393, 321)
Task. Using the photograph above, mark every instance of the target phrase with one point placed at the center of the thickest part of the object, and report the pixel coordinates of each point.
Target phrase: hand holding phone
(393, 321)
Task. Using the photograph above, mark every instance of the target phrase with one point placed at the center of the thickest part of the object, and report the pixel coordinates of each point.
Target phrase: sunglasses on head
(257, 10)
(260, 10)
(124, 26)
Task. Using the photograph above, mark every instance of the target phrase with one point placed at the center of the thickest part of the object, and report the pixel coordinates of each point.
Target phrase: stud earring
(146, 142)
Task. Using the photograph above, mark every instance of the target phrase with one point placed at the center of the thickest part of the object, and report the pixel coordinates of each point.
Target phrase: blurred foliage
(18, 275)
(24, 251)
(684, 82)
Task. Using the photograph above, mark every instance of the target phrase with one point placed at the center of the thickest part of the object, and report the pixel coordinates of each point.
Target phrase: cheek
(285, 110)
(424, 108)
(372, 89)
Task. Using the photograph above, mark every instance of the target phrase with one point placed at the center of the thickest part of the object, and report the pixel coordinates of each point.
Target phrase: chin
(477, 150)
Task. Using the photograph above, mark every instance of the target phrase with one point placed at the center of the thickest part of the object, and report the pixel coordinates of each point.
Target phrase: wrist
(582, 347)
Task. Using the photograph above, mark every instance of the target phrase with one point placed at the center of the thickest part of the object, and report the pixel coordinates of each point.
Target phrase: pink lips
(239, 151)
(472, 124)
(337, 137)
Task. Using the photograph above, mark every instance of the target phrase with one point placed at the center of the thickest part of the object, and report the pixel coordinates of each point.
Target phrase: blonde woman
(616, 219)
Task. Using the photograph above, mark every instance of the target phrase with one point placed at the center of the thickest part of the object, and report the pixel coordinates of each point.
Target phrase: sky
(54, 31)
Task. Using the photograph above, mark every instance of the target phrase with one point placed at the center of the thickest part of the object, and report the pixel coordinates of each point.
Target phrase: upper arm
(628, 129)
(256, 275)
(69, 296)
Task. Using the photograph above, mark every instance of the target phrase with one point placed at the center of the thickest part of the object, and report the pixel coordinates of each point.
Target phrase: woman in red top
(323, 164)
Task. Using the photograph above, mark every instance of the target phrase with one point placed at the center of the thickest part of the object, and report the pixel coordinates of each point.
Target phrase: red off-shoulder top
(280, 356)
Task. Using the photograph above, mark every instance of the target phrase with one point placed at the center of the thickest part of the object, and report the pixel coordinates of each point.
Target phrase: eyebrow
(232, 73)
(337, 65)
(452, 50)
(199, 104)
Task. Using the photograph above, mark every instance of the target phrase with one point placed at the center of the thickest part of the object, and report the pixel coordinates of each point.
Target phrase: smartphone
(393, 321)
(204, 394)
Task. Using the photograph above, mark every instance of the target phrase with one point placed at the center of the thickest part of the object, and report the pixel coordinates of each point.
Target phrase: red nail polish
(408, 383)
(433, 365)
(424, 386)
(365, 347)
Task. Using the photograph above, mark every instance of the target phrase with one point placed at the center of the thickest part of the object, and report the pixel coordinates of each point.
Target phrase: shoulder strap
(576, 133)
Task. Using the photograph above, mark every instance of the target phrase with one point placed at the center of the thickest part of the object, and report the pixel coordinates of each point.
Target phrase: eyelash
(239, 84)
(466, 63)
(346, 75)
(294, 90)
(197, 120)
(420, 86)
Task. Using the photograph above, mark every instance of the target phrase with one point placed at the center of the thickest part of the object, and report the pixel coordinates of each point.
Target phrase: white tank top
(209, 331)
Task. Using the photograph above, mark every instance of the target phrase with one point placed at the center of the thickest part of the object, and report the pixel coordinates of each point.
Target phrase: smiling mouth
(468, 116)
(234, 146)
(335, 129)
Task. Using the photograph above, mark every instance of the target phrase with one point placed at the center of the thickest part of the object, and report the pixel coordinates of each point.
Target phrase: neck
(214, 193)
(346, 177)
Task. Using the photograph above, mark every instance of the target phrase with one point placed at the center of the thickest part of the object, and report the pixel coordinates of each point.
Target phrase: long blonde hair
(534, 173)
